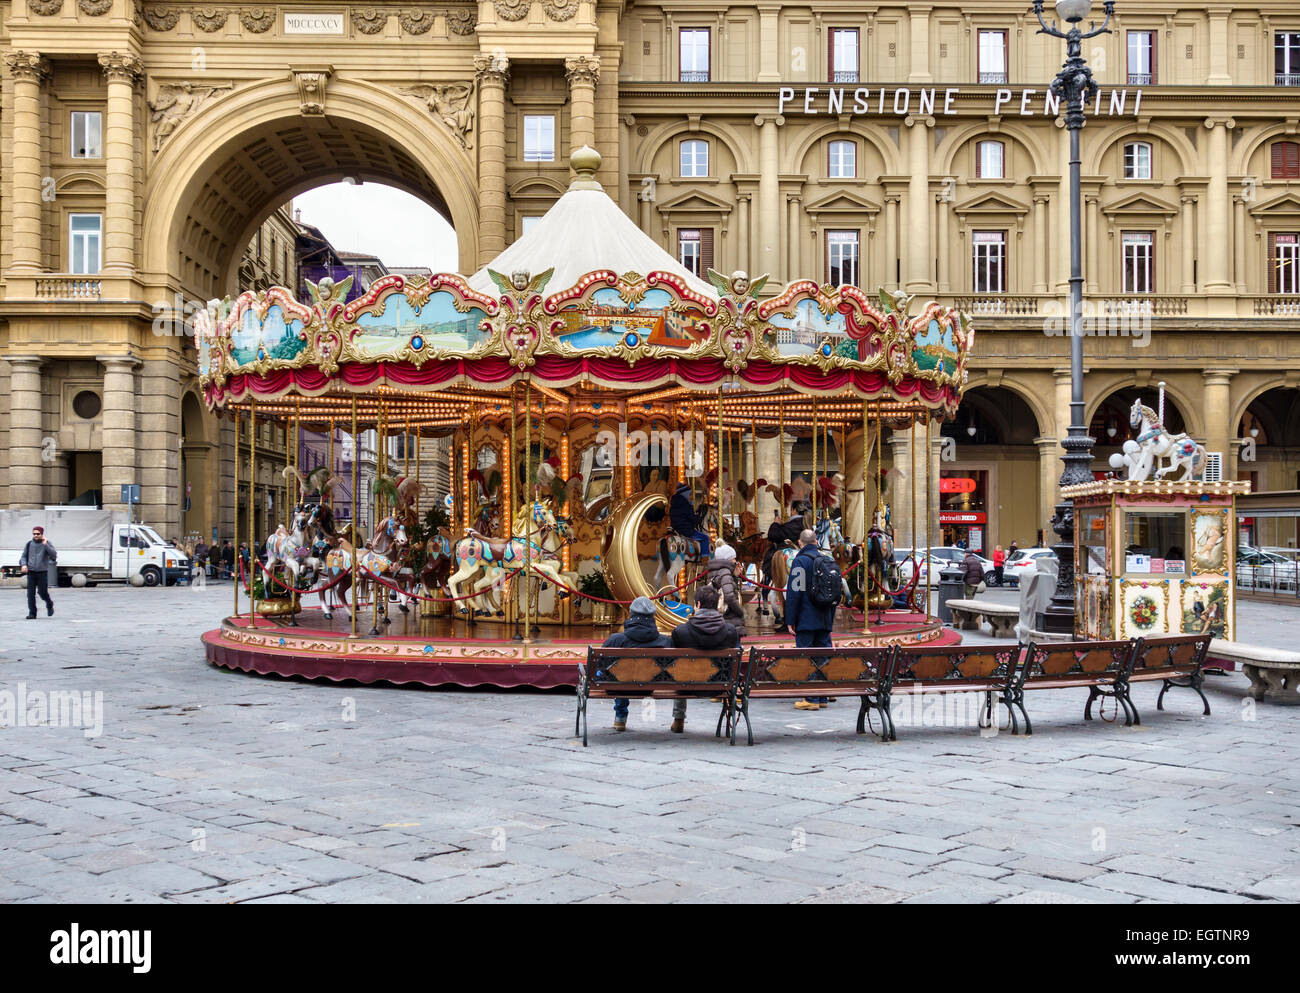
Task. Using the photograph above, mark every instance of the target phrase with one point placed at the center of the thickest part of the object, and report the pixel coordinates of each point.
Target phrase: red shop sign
(962, 517)
(957, 484)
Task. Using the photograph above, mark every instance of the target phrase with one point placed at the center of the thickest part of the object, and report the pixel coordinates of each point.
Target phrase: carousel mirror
(597, 471)
(485, 490)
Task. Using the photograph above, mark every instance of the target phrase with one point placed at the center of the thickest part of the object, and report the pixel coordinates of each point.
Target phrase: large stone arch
(1170, 136)
(1257, 389)
(1042, 414)
(809, 137)
(1251, 141)
(664, 133)
(956, 140)
(213, 139)
(1189, 406)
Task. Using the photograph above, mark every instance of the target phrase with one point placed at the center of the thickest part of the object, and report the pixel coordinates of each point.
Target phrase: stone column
(1061, 409)
(793, 239)
(582, 72)
(919, 24)
(26, 432)
(626, 194)
(1049, 475)
(769, 59)
(900, 446)
(158, 438)
(918, 206)
(493, 73)
(1062, 226)
(891, 242)
(1240, 261)
(942, 245)
(743, 247)
(769, 197)
(1219, 434)
(1219, 36)
(122, 73)
(28, 70)
(1187, 234)
(119, 427)
(1040, 244)
(1092, 260)
(1218, 218)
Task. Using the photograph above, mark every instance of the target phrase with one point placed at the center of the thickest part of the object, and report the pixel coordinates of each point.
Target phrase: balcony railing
(1146, 305)
(1287, 79)
(993, 77)
(1278, 305)
(1140, 79)
(694, 76)
(68, 288)
(844, 76)
(1001, 304)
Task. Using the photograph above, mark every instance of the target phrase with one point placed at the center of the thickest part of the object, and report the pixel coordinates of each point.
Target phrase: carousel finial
(585, 161)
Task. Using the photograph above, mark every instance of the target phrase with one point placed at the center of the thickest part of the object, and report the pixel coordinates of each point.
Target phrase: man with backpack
(812, 593)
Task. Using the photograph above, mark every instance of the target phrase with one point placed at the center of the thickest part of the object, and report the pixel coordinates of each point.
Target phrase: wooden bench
(661, 673)
(785, 673)
(1100, 666)
(1274, 673)
(1002, 617)
(1175, 660)
(987, 669)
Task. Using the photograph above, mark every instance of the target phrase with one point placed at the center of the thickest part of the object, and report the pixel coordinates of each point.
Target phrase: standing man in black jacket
(811, 621)
(706, 629)
(38, 561)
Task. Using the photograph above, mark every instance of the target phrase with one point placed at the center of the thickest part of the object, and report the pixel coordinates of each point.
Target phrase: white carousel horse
(285, 547)
(1156, 444)
(484, 562)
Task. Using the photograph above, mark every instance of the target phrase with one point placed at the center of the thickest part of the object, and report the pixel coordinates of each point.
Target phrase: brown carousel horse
(439, 554)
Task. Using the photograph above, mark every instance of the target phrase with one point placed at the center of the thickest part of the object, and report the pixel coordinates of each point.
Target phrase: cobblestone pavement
(209, 786)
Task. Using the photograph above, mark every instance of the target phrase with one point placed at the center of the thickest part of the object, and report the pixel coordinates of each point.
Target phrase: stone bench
(1002, 618)
(1274, 673)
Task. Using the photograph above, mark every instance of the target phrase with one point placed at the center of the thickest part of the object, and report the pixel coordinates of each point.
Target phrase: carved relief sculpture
(122, 68)
(210, 19)
(94, 8)
(369, 20)
(161, 18)
(415, 21)
(46, 8)
(176, 102)
(311, 90)
(450, 103)
(27, 65)
(258, 20)
(582, 69)
(462, 20)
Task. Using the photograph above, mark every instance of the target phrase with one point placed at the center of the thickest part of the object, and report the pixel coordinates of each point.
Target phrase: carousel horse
(338, 563)
(779, 574)
(484, 562)
(830, 539)
(385, 557)
(750, 546)
(882, 570)
(285, 546)
(1156, 444)
(438, 557)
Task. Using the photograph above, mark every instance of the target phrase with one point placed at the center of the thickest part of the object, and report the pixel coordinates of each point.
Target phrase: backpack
(825, 587)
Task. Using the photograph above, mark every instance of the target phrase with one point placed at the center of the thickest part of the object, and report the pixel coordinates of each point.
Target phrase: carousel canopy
(585, 231)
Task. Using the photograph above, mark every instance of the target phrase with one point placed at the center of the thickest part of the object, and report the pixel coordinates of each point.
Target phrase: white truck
(93, 545)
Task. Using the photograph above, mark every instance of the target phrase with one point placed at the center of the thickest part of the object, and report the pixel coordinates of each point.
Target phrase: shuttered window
(695, 249)
(1284, 160)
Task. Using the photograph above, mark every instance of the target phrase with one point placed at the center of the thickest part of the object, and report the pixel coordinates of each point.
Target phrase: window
(842, 258)
(1141, 58)
(1139, 262)
(990, 257)
(844, 55)
(87, 135)
(1286, 58)
(843, 161)
(527, 223)
(990, 160)
(1284, 160)
(1137, 160)
(1284, 263)
(993, 56)
(694, 53)
(695, 249)
(695, 159)
(84, 243)
(539, 138)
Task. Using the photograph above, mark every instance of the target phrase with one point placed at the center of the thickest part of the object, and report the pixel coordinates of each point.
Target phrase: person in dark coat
(812, 622)
(684, 519)
(972, 573)
(721, 574)
(639, 631)
(706, 629)
(38, 561)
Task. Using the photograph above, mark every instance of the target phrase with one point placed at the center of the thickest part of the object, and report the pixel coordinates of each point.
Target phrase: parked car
(1265, 570)
(1022, 563)
(942, 556)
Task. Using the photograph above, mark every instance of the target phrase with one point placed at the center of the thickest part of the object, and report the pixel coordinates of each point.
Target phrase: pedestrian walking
(706, 629)
(200, 560)
(721, 574)
(999, 563)
(228, 558)
(38, 561)
(972, 574)
(639, 631)
(811, 595)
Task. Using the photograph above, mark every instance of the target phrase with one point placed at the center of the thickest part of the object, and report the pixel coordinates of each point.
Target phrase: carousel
(609, 419)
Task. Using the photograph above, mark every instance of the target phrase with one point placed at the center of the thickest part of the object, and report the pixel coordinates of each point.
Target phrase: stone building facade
(912, 146)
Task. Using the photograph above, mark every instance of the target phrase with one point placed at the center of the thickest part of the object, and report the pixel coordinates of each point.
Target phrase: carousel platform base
(448, 651)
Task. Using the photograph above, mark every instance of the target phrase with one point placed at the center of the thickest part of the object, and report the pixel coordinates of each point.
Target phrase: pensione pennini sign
(906, 101)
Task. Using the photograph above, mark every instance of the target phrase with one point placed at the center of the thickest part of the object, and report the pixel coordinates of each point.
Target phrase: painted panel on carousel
(826, 324)
(809, 331)
(936, 346)
(607, 320)
(441, 323)
(1206, 608)
(270, 338)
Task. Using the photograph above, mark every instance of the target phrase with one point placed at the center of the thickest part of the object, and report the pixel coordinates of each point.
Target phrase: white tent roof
(585, 231)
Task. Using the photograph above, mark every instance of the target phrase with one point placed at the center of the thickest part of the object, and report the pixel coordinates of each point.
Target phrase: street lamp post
(1074, 86)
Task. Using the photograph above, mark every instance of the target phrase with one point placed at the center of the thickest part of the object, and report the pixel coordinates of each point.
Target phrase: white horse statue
(284, 546)
(483, 563)
(1155, 445)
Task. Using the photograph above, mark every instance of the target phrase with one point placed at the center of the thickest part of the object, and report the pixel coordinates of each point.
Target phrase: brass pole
(509, 502)
(911, 430)
(753, 465)
(381, 464)
(528, 510)
(929, 484)
(880, 468)
(418, 474)
(866, 525)
(235, 412)
(297, 441)
(814, 461)
(780, 461)
(352, 526)
(253, 561)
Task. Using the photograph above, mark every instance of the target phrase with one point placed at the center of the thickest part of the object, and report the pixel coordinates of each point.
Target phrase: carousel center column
(582, 72)
(900, 507)
(493, 72)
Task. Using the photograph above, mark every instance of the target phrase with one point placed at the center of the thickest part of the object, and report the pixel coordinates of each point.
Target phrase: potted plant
(593, 584)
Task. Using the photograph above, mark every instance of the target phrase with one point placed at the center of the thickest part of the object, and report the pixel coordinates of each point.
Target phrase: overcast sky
(390, 223)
